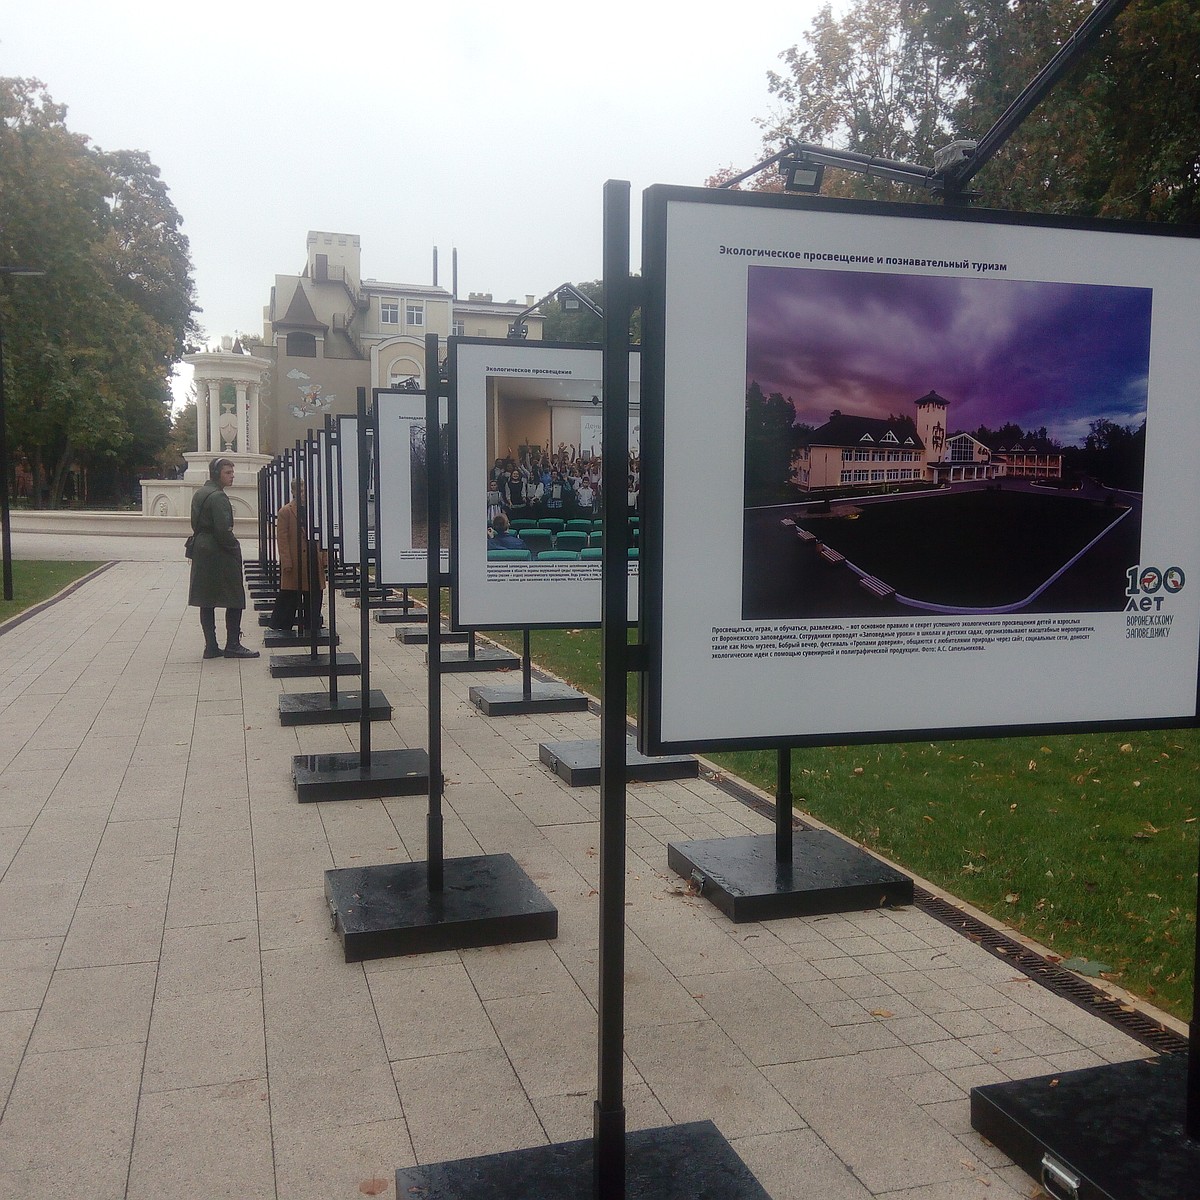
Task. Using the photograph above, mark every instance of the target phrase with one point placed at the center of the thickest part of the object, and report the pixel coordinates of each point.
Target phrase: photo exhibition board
(915, 471)
(346, 488)
(402, 494)
(518, 399)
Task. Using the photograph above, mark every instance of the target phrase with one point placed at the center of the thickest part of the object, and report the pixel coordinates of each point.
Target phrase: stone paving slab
(176, 1017)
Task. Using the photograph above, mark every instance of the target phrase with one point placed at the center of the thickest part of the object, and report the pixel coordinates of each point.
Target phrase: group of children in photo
(540, 488)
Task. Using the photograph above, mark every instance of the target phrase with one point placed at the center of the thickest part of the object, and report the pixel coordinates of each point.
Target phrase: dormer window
(866, 437)
(890, 437)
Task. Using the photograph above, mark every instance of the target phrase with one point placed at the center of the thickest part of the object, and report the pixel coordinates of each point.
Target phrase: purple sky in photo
(1055, 354)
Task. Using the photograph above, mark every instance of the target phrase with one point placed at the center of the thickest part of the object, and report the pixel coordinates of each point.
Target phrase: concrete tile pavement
(176, 1017)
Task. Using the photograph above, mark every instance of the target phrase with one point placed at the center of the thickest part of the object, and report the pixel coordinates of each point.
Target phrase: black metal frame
(655, 207)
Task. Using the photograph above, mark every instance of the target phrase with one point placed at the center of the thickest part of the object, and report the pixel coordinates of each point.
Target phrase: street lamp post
(5, 524)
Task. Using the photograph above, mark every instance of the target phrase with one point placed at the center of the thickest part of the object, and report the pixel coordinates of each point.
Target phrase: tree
(88, 347)
(770, 444)
(580, 324)
(1118, 136)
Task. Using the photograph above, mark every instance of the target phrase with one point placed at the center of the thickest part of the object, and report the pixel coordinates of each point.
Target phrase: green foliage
(89, 346)
(1118, 136)
(580, 325)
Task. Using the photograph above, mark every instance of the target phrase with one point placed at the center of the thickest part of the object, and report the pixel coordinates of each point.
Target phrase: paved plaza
(176, 1018)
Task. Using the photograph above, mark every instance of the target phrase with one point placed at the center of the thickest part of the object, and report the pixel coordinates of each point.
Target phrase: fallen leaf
(1012, 897)
(882, 1012)
(1126, 748)
(1081, 966)
(373, 1187)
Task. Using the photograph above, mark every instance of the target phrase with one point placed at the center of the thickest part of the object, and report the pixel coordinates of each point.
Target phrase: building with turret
(869, 452)
(328, 331)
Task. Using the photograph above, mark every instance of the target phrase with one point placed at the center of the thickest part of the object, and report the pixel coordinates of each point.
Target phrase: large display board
(402, 489)
(527, 403)
(913, 471)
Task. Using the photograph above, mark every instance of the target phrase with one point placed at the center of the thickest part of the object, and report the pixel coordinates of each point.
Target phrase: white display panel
(509, 397)
(403, 493)
(803, 598)
(346, 486)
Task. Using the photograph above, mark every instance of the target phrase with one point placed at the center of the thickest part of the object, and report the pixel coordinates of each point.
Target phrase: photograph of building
(995, 492)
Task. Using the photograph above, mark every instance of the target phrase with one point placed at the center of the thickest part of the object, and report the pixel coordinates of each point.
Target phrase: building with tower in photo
(850, 451)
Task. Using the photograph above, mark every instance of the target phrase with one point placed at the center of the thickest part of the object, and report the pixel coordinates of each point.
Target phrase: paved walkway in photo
(176, 1018)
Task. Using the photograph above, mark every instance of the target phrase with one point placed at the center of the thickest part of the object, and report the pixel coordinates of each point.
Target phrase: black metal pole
(327, 537)
(433, 576)
(5, 520)
(783, 806)
(1192, 1121)
(526, 667)
(305, 530)
(364, 609)
(608, 1118)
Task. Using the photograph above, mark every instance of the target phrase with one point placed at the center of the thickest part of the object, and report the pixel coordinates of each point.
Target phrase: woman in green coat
(217, 564)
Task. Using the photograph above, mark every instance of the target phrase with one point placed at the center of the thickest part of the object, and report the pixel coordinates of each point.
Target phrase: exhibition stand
(334, 705)
(440, 904)
(361, 774)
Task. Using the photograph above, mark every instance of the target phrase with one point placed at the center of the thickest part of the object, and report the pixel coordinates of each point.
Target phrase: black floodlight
(801, 174)
(518, 331)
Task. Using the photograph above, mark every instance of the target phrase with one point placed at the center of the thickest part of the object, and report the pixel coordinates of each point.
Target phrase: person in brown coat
(291, 535)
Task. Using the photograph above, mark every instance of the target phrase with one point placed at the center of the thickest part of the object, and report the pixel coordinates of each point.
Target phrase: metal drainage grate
(1058, 980)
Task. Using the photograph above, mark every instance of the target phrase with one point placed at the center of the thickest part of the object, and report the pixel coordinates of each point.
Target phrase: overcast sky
(486, 127)
(1055, 354)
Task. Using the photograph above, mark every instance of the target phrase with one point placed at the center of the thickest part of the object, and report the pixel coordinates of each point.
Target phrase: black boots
(208, 624)
(233, 636)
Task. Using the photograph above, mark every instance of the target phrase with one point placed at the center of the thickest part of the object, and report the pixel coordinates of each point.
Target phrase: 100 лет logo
(1148, 587)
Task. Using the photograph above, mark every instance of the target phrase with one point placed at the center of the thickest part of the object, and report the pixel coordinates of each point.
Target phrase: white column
(241, 409)
(252, 438)
(214, 416)
(201, 416)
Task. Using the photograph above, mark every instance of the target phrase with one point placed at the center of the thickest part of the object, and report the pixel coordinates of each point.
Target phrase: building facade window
(389, 312)
(301, 345)
(414, 314)
(458, 329)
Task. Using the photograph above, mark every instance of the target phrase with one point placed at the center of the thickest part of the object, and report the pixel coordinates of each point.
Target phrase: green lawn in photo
(35, 581)
(977, 548)
(1086, 843)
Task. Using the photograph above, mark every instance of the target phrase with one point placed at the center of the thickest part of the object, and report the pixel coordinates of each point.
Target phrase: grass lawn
(34, 582)
(976, 548)
(1088, 844)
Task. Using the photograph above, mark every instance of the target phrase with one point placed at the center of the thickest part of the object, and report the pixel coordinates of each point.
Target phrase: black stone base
(316, 708)
(343, 776)
(486, 658)
(1119, 1130)
(486, 900)
(512, 702)
(742, 877)
(398, 616)
(279, 639)
(420, 637)
(681, 1162)
(305, 666)
(579, 763)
